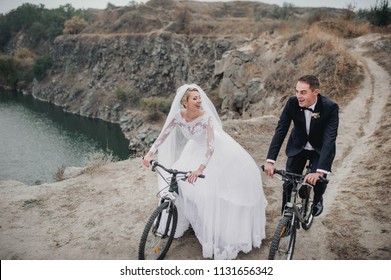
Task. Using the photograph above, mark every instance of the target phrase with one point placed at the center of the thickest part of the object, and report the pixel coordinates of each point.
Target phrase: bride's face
(193, 101)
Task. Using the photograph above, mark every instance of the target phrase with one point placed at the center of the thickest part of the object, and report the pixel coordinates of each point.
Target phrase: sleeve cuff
(271, 161)
(323, 171)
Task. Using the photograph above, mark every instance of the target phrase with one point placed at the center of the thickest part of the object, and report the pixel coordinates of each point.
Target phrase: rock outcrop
(106, 76)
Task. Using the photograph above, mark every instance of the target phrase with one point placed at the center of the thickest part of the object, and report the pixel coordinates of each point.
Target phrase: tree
(24, 16)
(380, 14)
(5, 34)
(41, 65)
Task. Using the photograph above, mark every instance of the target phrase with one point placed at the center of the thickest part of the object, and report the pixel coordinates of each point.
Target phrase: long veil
(170, 150)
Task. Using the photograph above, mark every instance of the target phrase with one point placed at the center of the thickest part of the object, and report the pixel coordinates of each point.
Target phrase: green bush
(283, 12)
(121, 94)
(380, 15)
(5, 33)
(15, 72)
(38, 22)
(155, 104)
(110, 6)
(41, 65)
(156, 107)
(8, 73)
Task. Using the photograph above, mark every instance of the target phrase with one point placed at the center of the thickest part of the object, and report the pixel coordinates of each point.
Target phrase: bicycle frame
(293, 207)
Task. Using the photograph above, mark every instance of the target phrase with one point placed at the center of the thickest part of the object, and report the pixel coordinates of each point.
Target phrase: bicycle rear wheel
(284, 239)
(154, 243)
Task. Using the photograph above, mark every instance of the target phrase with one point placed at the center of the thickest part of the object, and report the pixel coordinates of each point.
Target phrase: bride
(226, 209)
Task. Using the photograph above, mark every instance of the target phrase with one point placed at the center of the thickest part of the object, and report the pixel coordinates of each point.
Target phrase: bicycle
(160, 228)
(294, 213)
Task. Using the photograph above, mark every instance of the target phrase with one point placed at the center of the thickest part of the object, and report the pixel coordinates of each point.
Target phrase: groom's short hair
(312, 80)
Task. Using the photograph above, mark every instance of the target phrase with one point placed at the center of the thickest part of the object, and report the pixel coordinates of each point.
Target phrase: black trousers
(296, 164)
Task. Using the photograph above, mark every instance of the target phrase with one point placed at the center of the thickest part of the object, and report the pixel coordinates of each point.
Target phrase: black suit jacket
(322, 136)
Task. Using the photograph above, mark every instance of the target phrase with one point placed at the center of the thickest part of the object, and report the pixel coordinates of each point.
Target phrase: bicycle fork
(164, 219)
(292, 233)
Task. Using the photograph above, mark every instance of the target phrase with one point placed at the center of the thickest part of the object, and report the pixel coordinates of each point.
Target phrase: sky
(8, 5)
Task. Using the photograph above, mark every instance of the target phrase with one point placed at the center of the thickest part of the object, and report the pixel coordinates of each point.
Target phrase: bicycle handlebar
(155, 164)
(295, 176)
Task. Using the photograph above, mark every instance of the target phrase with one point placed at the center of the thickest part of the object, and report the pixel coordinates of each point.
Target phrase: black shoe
(317, 209)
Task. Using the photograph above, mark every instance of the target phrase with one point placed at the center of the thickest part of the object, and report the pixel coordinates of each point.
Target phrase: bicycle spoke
(154, 247)
(283, 242)
(154, 244)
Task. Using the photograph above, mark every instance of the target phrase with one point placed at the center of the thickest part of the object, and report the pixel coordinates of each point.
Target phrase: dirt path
(341, 221)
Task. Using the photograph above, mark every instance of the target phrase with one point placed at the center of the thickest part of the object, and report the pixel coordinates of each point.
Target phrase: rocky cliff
(246, 74)
(89, 71)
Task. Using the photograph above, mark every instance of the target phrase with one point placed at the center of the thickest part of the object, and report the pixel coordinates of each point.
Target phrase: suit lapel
(317, 110)
(300, 117)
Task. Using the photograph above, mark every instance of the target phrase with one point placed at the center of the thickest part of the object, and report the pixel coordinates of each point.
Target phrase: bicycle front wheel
(158, 232)
(307, 213)
(284, 239)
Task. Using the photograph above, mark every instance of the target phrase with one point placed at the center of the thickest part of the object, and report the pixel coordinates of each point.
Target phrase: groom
(315, 126)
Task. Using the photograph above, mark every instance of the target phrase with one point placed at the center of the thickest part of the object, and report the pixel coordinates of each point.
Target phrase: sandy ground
(100, 213)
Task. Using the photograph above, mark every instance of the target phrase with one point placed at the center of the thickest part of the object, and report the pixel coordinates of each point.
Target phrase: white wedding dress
(226, 209)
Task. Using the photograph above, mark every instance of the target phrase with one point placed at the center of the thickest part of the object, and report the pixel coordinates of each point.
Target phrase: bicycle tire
(307, 208)
(284, 240)
(153, 245)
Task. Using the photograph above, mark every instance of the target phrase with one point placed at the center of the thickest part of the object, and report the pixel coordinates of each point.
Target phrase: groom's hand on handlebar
(313, 178)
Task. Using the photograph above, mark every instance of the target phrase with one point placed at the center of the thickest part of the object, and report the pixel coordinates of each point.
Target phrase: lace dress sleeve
(209, 142)
(163, 135)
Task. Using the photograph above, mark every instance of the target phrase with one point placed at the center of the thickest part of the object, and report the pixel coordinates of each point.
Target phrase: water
(37, 139)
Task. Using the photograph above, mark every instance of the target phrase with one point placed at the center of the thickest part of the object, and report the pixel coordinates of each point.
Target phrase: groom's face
(305, 95)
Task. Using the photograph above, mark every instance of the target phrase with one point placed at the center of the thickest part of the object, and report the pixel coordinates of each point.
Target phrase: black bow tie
(305, 108)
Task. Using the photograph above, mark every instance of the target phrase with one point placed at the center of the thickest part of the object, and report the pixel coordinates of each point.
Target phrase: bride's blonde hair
(185, 96)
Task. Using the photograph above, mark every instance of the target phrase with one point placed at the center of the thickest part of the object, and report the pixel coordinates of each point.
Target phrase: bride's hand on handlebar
(193, 176)
(147, 159)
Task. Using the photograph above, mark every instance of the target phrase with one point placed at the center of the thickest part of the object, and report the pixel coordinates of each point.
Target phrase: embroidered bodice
(199, 130)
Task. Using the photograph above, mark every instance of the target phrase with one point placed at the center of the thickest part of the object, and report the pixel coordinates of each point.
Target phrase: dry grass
(320, 53)
(96, 161)
(59, 175)
(345, 28)
(229, 18)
